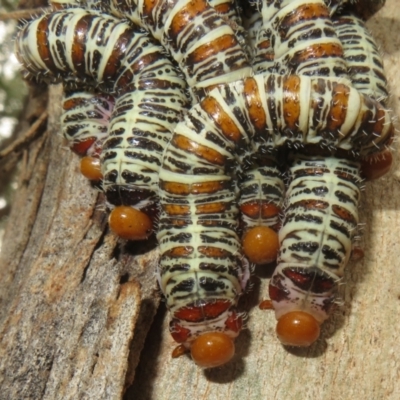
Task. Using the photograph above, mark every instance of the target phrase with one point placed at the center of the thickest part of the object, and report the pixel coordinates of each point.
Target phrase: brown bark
(72, 296)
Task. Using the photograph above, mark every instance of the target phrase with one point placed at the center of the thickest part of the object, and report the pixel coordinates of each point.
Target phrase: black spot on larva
(110, 144)
(212, 267)
(344, 197)
(146, 144)
(186, 285)
(331, 254)
(181, 267)
(340, 228)
(211, 285)
(182, 166)
(196, 123)
(181, 238)
(206, 171)
(306, 247)
(133, 177)
(143, 156)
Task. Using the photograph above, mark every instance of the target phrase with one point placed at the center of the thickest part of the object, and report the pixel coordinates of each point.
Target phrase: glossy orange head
(207, 331)
(260, 245)
(91, 169)
(297, 328)
(212, 349)
(130, 223)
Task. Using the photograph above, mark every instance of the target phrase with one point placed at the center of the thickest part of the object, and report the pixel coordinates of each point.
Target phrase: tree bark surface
(71, 293)
(77, 306)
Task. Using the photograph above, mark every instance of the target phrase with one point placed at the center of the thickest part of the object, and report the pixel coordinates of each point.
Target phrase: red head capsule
(376, 165)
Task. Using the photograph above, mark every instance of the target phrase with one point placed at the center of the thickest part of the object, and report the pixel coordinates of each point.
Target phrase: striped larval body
(201, 266)
(294, 37)
(198, 225)
(321, 214)
(85, 119)
(205, 47)
(150, 93)
(320, 221)
(365, 66)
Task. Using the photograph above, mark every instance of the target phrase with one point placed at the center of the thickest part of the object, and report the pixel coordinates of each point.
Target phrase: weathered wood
(72, 297)
(71, 293)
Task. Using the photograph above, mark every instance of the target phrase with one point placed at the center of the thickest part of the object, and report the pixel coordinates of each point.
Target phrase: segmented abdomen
(197, 190)
(321, 215)
(365, 66)
(261, 196)
(140, 127)
(150, 94)
(302, 38)
(289, 37)
(320, 221)
(85, 119)
(204, 46)
(200, 266)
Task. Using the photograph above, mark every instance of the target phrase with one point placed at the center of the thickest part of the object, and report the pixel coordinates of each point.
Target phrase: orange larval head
(130, 223)
(212, 349)
(207, 331)
(297, 328)
(91, 168)
(260, 244)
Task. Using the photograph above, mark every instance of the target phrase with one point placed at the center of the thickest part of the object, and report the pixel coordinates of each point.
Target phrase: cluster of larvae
(189, 117)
